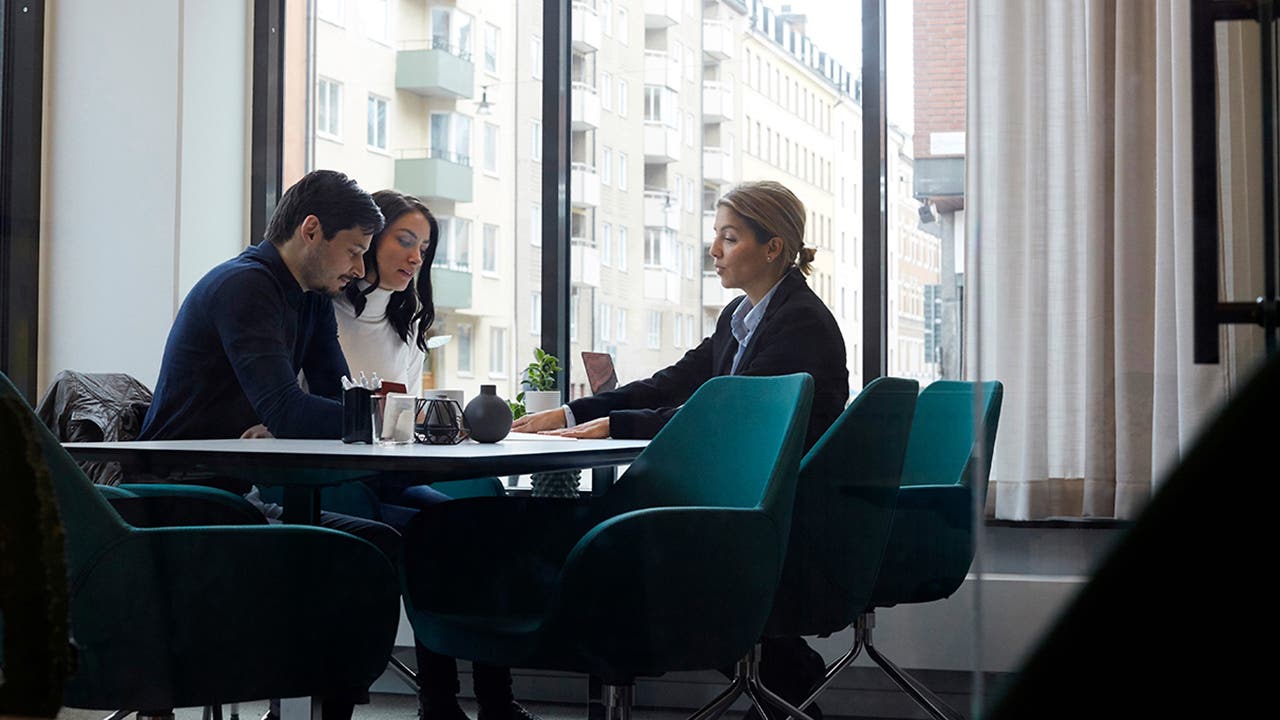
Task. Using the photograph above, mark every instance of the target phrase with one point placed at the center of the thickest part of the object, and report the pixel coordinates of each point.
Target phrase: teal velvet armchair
(931, 545)
(197, 616)
(840, 525)
(674, 568)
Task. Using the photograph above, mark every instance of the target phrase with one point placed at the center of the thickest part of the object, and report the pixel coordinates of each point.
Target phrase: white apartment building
(673, 101)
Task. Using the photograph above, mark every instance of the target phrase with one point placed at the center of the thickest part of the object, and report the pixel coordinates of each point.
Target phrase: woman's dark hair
(414, 303)
(335, 199)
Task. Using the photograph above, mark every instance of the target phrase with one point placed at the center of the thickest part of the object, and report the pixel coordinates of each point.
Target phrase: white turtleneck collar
(375, 303)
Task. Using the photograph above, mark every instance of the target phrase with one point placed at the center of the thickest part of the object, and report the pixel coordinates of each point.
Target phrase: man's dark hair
(335, 199)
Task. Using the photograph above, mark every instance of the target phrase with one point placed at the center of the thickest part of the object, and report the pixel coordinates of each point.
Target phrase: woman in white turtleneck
(382, 326)
(383, 318)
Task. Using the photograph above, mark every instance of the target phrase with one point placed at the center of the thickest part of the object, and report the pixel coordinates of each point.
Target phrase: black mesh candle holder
(442, 423)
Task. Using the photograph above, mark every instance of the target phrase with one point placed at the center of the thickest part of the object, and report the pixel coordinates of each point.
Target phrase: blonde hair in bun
(772, 210)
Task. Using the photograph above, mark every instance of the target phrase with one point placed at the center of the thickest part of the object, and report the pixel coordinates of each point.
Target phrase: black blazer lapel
(786, 287)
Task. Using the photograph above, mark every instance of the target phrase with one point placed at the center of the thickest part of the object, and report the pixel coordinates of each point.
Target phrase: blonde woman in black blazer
(759, 249)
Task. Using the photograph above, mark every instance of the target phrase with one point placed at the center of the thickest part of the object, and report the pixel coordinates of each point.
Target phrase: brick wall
(939, 65)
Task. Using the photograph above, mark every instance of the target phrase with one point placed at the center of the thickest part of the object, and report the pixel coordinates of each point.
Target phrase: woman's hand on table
(590, 430)
(256, 432)
(552, 419)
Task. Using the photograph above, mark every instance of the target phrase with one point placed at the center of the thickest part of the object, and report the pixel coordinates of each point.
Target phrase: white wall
(145, 172)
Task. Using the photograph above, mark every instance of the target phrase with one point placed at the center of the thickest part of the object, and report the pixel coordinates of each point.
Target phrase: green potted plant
(541, 391)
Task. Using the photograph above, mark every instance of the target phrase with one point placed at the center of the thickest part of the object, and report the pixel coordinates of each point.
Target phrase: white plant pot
(539, 400)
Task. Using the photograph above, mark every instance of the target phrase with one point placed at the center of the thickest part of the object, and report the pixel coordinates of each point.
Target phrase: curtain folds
(1080, 227)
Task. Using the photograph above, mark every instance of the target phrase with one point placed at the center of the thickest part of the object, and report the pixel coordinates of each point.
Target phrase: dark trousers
(438, 685)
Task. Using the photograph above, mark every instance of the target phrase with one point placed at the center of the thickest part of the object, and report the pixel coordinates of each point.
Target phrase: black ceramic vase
(488, 416)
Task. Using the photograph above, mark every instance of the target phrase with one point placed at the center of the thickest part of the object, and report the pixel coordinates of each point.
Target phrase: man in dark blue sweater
(252, 324)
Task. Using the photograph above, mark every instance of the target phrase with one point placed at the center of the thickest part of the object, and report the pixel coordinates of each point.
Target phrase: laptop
(600, 373)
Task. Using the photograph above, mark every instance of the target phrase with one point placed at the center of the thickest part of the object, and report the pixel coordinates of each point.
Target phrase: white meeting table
(293, 464)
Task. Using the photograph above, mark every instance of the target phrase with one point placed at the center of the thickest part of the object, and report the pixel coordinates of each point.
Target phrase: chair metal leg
(119, 715)
(923, 697)
(833, 670)
(726, 698)
(746, 679)
(618, 700)
(406, 673)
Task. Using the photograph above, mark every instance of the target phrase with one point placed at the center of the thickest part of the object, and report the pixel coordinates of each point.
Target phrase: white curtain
(1079, 287)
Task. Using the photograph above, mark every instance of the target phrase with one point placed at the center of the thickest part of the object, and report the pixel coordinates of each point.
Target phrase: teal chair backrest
(685, 465)
(844, 507)
(942, 449)
(89, 522)
(931, 544)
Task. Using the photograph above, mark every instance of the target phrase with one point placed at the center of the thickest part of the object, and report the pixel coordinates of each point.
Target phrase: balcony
(717, 39)
(708, 228)
(662, 284)
(714, 295)
(661, 13)
(586, 27)
(584, 263)
(435, 71)
(586, 107)
(584, 185)
(451, 288)
(662, 69)
(437, 175)
(717, 166)
(661, 143)
(717, 102)
(660, 209)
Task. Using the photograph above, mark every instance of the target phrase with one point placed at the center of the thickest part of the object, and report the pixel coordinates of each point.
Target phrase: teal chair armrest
(168, 504)
(520, 542)
(310, 610)
(930, 548)
(667, 571)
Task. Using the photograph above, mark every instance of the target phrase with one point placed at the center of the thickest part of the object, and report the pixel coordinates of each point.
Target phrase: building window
(535, 147)
(573, 315)
(622, 98)
(454, 250)
(622, 171)
(655, 330)
(677, 330)
(464, 349)
(451, 138)
(377, 123)
(656, 243)
(621, 250)
(606, 18)
(331, 11)
(606, 245)
(606, 91)
(451, 31)
(624, 27)
(689, 334)
(329, 108)
(375, 19)
(535, 224)
(491, 149)
(606, 322)
(621, 335)
(498, 352)
(489, 253)
(606, 165)
(535, 56)
(535, 313)
(491, 49)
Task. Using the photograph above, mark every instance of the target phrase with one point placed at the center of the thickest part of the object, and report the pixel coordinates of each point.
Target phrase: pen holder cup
(358, 416)
(442, 422)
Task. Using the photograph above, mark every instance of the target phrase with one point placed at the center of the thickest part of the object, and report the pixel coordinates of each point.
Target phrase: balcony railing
(660, 68)
(584, 185)
(586, 26)
(717, 39)
(661, 143)
(434, 173)
(585, 112)
(435, 68)
(661, 209)
(717, 101)
(717, 166)
(661, 13)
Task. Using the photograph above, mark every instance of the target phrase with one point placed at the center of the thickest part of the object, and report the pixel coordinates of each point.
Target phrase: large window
(377, 123)
(329, 108)
(451, 137)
